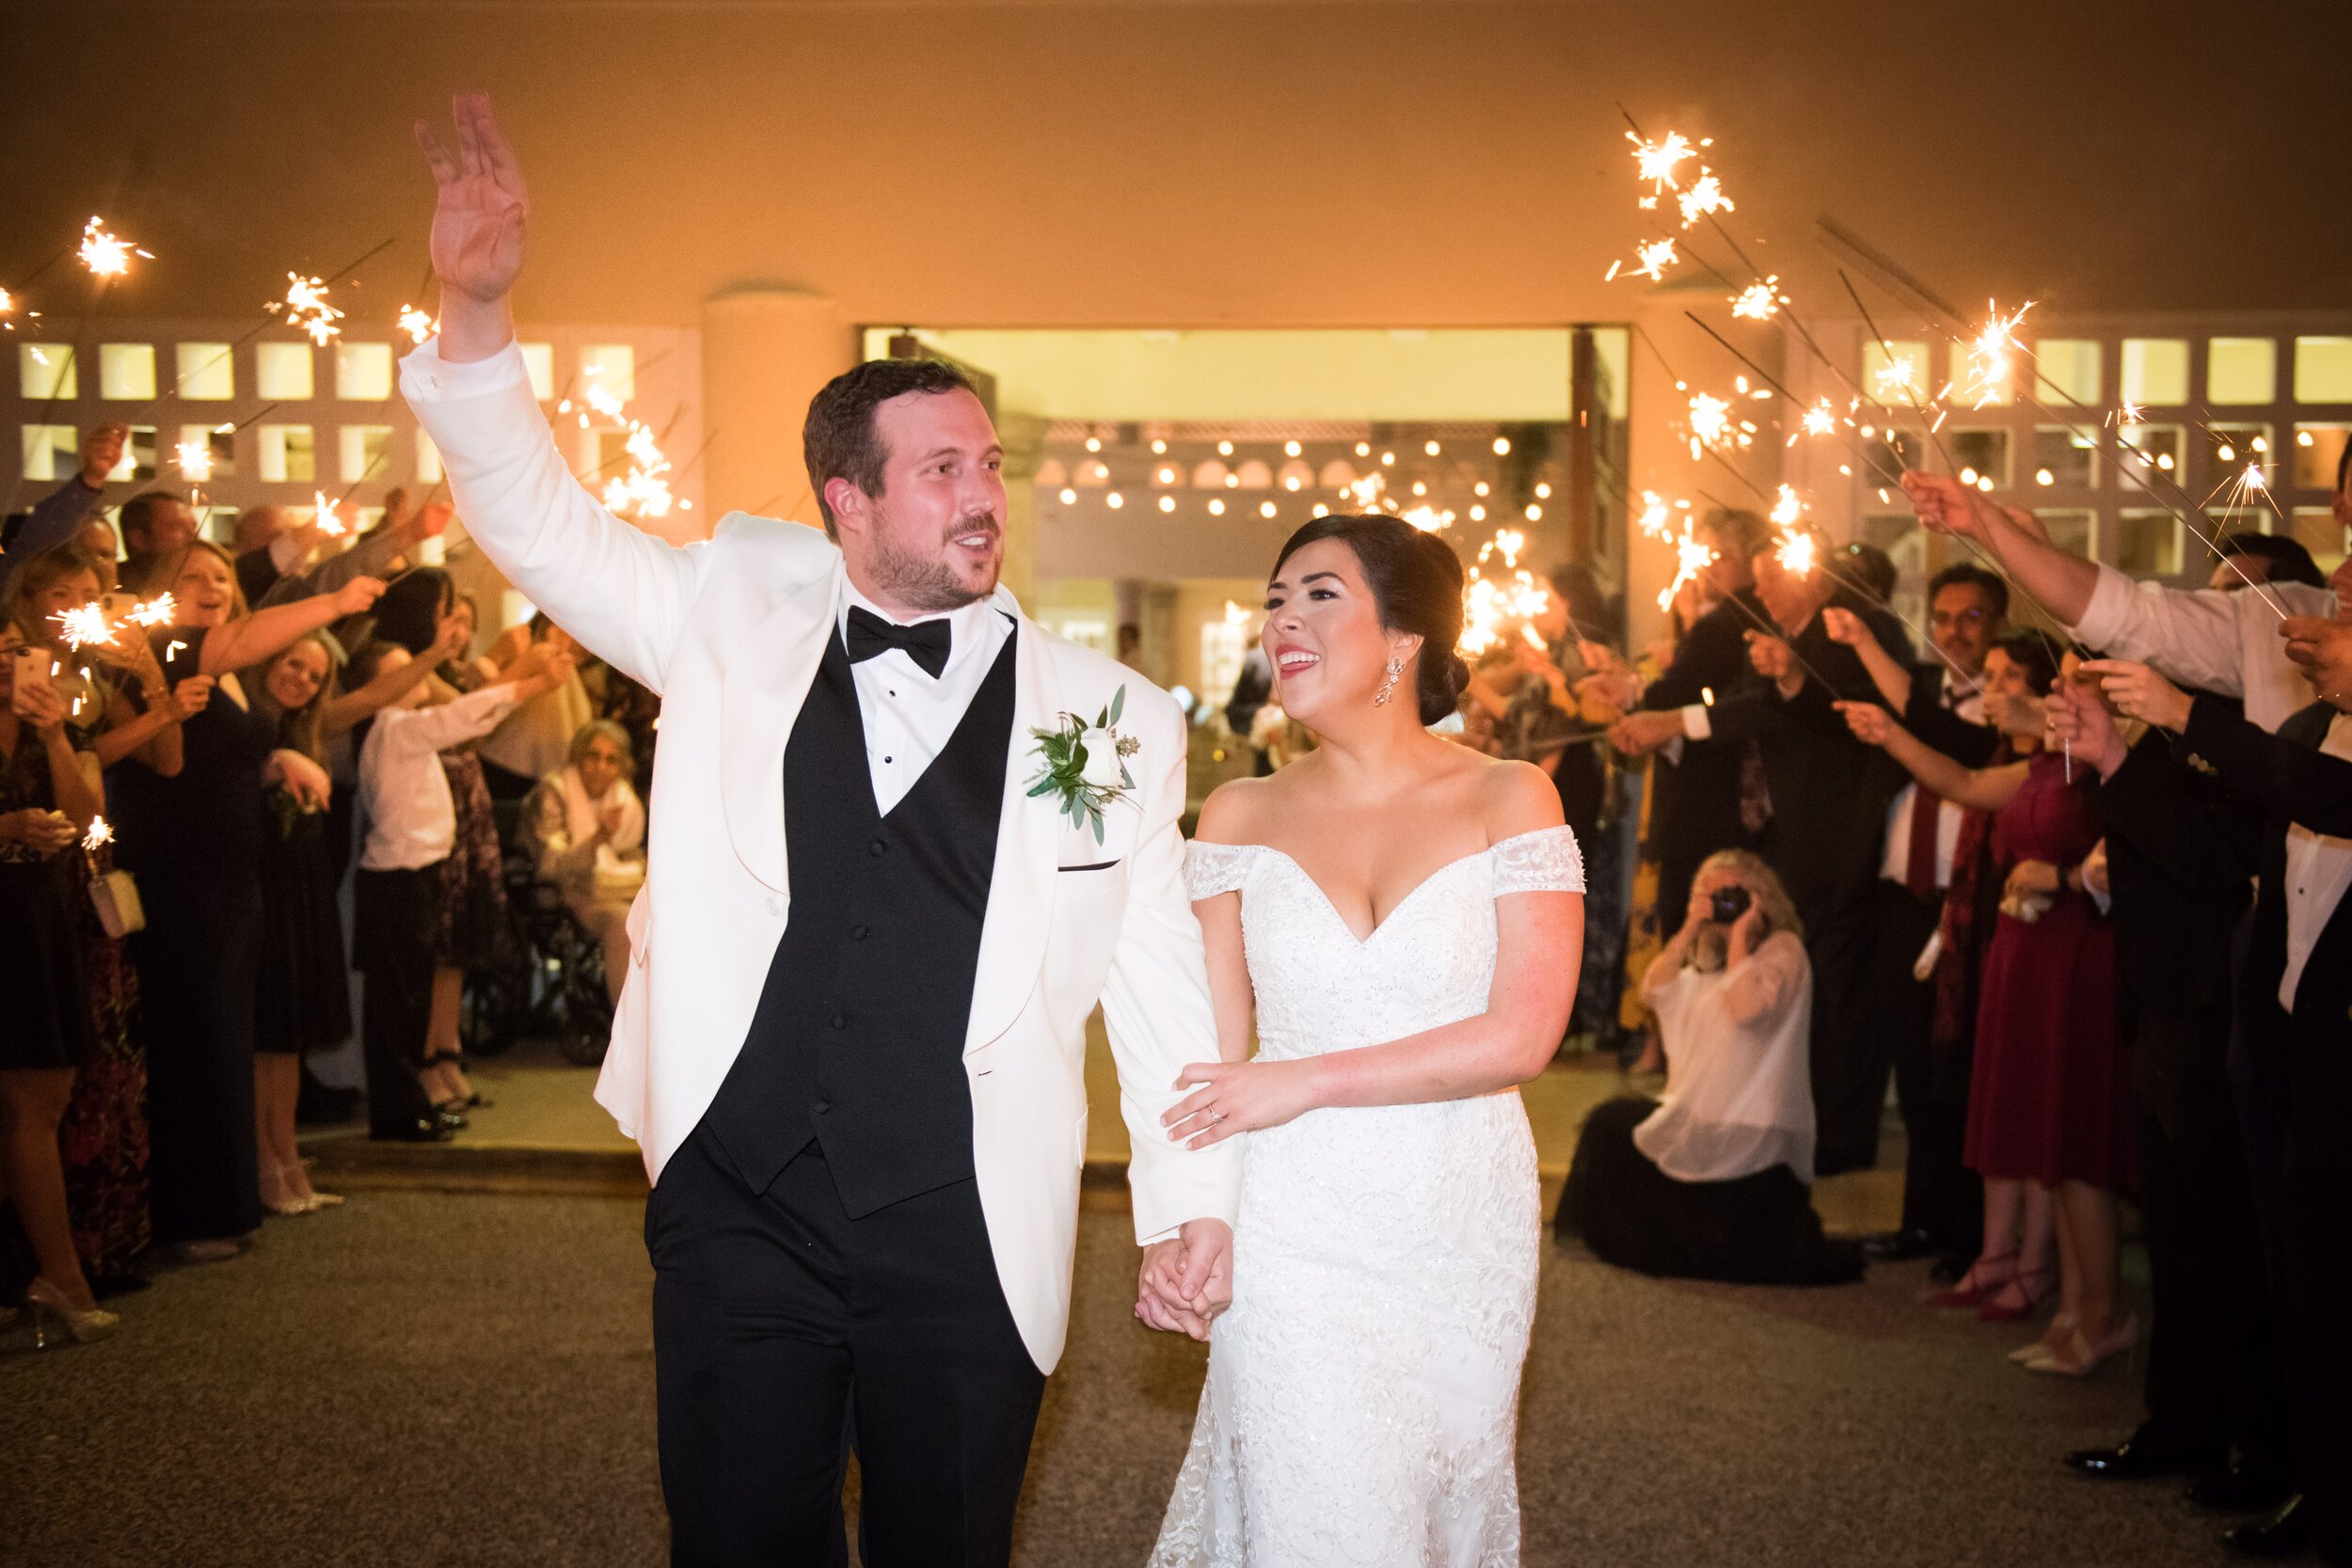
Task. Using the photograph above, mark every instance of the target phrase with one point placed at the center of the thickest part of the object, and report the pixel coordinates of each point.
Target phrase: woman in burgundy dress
(2048, 1103)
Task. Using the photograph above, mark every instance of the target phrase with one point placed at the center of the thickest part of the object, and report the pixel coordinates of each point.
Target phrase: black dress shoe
(1899, 1247)
(424, 1130)
(2284, 1532)
(2133, 1459)
(2238, 1490)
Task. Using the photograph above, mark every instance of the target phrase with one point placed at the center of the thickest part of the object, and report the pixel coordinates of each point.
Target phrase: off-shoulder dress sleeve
(1214, 868)
(1544, 861)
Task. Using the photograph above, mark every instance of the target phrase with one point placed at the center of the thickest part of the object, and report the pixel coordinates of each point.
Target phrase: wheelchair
(551, 985)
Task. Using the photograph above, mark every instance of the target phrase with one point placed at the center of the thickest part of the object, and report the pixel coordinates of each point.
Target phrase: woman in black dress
(194, 843)
(48, 798)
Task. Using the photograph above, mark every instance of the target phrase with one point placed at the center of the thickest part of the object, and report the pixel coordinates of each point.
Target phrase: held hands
(480, 206)
(1237, 1096)
(2139, 692)
(1186, 1283)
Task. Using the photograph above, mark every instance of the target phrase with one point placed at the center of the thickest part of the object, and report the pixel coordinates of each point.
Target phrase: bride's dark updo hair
(1415, 581)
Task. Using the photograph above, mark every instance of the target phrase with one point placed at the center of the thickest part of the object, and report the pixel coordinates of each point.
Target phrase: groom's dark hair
(838, 440)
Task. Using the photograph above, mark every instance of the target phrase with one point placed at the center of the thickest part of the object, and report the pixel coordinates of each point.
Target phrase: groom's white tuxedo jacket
(729, 632)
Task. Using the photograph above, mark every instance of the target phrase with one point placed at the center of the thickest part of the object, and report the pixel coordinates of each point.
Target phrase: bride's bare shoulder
(1235, 810)
(1516, 798)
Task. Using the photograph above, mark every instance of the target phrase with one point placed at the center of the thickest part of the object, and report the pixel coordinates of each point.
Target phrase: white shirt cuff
(1695, 724)
(426, 377)
(2108, 614)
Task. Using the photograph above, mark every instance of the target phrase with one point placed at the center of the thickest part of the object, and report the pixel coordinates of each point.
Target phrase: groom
(851, 1037)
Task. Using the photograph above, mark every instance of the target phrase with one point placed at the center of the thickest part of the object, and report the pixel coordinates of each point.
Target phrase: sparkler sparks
(307, 309)
(1989, 354)
(1760, 301)
(1691, 559)
(1491, 607)
(100, 833)
(643, 491)
(1797, 553)
(1787, 509)
(195, 459)
(1655, 258)
(417, 325)
(84, 626)
(157, 611)
(1821, 419)
(1705, 198)
(1659, 160)
(103, 254)
(330, 522)
(1710, 423)
(1657, 512)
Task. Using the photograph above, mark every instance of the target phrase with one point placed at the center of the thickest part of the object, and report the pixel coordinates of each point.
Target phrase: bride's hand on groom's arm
(1238, 1097)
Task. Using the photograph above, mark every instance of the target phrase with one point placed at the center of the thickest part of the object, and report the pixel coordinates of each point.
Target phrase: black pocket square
(1098, 866)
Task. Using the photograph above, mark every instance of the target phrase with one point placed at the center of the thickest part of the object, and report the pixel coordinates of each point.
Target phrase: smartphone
(118, 603)
(29, 667)
(1727, 904)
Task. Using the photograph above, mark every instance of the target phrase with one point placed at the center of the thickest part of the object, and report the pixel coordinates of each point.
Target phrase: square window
(207, 372)
(1896, 374)
(612, 366)
(2065, 455)
(2068, 369)
(126, 372)
(289, 454)
(539, 359)
(219, 525)
(2148, 544)
(2315, 526)
(428, 458)
(137, 463)
(364, 371)
(2155, 371)
(284, 371)
(2075, 532)
(52, 451)
(2220, 522)
(609, 457)
(2231, 447)
(2148, 451)
(2241, 370)
(2318, 452)
(1981, 455)
(45, 371)
(1886, 453)
(367, 452)
(221, 444)
(2323, 370)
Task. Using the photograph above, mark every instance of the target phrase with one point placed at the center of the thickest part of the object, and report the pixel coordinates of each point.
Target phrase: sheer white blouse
(1739, 1094)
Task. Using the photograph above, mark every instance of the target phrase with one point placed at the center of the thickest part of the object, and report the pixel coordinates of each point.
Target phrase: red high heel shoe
(1995, 1311)
(1973, 1289)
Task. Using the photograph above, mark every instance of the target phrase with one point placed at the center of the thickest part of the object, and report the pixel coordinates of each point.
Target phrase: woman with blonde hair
(586, 831)
(1712, 1179)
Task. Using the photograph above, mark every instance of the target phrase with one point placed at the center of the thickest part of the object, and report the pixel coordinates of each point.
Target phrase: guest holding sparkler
(63, 514)
(2047, 1102)
(49, 797)
(193, 841)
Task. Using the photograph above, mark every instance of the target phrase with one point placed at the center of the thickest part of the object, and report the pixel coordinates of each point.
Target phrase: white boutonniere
(1086, 765)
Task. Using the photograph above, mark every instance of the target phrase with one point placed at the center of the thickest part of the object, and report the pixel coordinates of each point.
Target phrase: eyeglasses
(1947, 619)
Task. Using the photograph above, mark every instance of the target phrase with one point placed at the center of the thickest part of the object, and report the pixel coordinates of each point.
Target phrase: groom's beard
(926, 583)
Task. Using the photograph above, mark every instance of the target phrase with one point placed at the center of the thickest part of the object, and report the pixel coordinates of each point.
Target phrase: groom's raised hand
(478, 215)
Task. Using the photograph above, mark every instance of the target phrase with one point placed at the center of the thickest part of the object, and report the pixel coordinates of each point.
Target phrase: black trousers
(394, 920)
(1849, 1097)
(2319, 1354)
(787, 1334)
(2215, 1379)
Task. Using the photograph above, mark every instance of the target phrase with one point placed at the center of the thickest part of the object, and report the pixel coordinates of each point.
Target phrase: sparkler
(1657, 512)
(1821, 419)
(330, 521)
(100, 833)
(1989, 352)
(1655, 258)
(1659, 160)
(1760, 301)
(1798, 553)
(84, 626)
(157, 611)
(1710, 423)
(195, 459)
(643, 491)
(103, 254)
(1705, 199)
(1691, 559)
(1786, 509)
(307, 309)
(417, 325)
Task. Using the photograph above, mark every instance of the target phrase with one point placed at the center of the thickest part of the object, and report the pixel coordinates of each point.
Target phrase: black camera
(1727, 904)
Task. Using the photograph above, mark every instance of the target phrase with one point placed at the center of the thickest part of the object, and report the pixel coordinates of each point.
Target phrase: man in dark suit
(1698, 804)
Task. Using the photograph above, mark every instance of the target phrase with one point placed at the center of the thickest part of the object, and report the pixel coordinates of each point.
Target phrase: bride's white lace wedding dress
(1364, 1386)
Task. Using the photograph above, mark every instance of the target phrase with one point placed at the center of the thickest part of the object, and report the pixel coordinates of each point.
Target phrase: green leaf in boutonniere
(1084, 764)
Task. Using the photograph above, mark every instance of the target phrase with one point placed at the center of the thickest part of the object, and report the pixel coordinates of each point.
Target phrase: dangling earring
(1387, 687)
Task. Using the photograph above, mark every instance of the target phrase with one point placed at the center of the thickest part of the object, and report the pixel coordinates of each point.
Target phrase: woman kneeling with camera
(1713, 1180)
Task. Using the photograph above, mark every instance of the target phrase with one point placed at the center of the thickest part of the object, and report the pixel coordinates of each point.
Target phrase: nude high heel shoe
(50, 1308)
(2079, 1357)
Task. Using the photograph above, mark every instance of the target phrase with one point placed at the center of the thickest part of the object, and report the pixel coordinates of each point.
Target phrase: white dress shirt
(2319, 873)
(2221, 641)
(1895, 865)
(909, 716)
(404, 794)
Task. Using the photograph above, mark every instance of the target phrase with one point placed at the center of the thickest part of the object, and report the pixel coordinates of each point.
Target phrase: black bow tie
(927, 643)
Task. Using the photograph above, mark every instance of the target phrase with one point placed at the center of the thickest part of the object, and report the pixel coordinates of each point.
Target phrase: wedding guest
(2179, 863)
(61, 517)
(1712, 1179)
(586, 831)
(193, 842)
(2248, 560)
(412, 831)
(2048, 1102)
(49, 797)
(157, 526)
(537, 739)
(271, 541)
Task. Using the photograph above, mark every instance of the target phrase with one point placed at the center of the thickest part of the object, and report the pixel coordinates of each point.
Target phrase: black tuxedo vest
(858, 1039)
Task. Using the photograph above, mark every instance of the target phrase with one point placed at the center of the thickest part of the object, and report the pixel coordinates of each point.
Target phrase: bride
(1401, 920)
